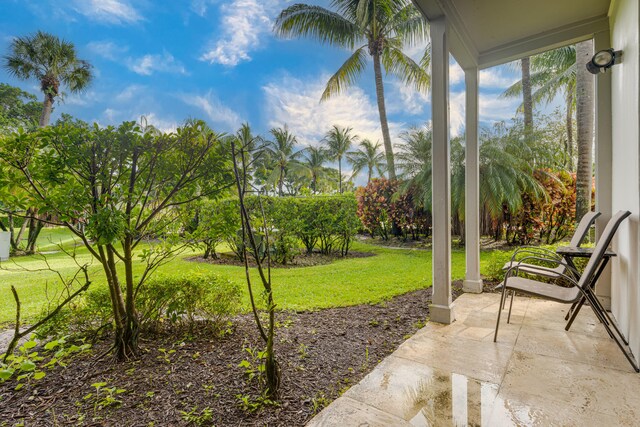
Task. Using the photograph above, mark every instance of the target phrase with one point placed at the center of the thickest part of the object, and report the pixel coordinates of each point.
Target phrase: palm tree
(563, 69)
(314, 160)
(339, 140)
(554, 71)
(414, 160)
(282, 156)
(53, 62)
(368, 156)
(584, 118)
(380, 28)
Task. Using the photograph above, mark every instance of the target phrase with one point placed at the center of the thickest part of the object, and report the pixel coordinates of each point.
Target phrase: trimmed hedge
(324, 223)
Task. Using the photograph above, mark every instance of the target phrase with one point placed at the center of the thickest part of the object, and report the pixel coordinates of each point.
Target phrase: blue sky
(218, 60)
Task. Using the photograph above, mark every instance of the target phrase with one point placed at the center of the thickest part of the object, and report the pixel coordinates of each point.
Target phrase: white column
(603, 154)
(441, 308)
(472, 281)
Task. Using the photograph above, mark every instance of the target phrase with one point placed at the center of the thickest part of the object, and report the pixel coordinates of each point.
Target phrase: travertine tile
(603, 390)
(348, 412)
(424, 395)
(453, 354)
(572, 346)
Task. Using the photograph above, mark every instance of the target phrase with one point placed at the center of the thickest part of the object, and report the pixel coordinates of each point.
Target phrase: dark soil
(301, 260)
(321, 354)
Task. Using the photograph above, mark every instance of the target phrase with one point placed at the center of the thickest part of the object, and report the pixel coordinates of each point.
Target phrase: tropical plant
(53, 62)
(279, 156)
(555, 71)
(414, 159)
(369, 157)
(338, 141)
(314, 160)
(380, 28)
(17, 108)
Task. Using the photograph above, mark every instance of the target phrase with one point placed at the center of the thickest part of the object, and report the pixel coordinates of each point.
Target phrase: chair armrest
(535, 250)
(516, 268)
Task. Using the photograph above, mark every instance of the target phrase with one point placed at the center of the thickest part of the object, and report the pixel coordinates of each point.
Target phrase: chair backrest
(583, 228)
(601, 247)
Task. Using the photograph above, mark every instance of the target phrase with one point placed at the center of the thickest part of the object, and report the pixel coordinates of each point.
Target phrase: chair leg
(500, 307)
(608, 319)
(618, 338)
(575, 308)
(513, 293)
(570, 312)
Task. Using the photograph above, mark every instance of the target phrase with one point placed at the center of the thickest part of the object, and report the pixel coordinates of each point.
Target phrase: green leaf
(27, 366)
(5, 374)
(39, 375)
(29, 344)
(19, 386)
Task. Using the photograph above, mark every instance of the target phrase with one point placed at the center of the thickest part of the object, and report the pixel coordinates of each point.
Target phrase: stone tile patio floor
(536, 374)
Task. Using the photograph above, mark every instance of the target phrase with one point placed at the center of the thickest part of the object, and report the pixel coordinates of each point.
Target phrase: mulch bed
(300, 260)
(321, 354)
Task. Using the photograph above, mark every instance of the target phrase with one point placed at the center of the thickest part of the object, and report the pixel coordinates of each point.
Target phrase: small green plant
(254, 365)
(165, 355)
(249, 404)
(196, 417)
(318, 402)
(302, 350)
(104, 397)
(23, 365)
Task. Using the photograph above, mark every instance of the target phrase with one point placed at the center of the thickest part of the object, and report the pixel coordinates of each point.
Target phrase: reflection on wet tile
(425, 396)
(453, 354)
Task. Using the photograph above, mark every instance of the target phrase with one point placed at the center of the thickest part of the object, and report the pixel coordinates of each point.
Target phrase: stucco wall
(625, 289)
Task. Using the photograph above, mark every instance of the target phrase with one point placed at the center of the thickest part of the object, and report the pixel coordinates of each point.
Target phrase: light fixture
(603, 60)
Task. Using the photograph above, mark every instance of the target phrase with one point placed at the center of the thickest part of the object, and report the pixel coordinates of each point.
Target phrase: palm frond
(406, 69)
(346, 75)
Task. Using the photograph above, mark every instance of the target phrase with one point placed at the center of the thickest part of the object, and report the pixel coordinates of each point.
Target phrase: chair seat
(552, 273)
(544, 290)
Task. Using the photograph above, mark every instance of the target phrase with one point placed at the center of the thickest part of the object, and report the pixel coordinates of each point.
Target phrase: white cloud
(148, 64)
(296, 103)
(456, 113)
(244, 24)
(107, 49)
(216, 112)
(500, 77)
(162, 124)
(496, 109)
(129, 93)
(109, 11)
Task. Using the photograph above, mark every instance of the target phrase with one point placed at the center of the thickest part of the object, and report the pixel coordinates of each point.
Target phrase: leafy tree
(50, 60)
(338, 141)
(379, 28)
(369, 157)
(414, 159)
(17, 108)
(115, 188)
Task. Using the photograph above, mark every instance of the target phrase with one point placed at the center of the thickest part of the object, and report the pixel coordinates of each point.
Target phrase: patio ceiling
(490, 32)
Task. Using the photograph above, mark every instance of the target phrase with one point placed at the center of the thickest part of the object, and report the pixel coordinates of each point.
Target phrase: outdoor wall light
(603, 60)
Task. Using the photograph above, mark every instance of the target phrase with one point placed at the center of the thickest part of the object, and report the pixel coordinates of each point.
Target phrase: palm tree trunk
(369, 175)
(527, 102)
(584, 115)
(384, 125)
(340, 173)
(47, 106)
(569, 118)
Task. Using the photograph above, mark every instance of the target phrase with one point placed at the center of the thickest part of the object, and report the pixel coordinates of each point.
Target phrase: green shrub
(186, 299)
(497, 260)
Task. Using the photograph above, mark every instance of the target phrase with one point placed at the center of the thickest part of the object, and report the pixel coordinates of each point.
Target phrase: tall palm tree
(339, 141)
(50, 60)
(314, 160)
(527, 103)
(554, 72)
(380, 28)
(282, 156)
(368, 156)
(584, 118)
(563, 69)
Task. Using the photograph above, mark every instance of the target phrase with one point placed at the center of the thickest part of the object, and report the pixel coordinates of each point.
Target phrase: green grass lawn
(344, 282)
